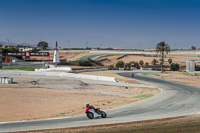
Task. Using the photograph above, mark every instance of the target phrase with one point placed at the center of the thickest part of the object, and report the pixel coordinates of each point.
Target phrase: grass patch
(20, 68)
(109, 102)
(146, 74)
(188, 74)
(143, 96)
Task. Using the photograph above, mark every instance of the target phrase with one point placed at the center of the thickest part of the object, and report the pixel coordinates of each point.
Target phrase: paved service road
(175, 100)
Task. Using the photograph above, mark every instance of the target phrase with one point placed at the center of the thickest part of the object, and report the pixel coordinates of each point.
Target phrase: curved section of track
(176, 99)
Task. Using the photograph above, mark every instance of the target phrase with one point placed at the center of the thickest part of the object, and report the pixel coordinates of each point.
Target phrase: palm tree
(162, 47)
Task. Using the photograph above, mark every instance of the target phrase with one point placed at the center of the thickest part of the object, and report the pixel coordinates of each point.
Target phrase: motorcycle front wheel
(103, 114)
(90, 115)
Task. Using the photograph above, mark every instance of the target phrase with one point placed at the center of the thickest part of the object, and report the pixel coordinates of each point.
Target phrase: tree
(154, 61)
(5, 50)
(162, 47)
(141, 62)
(136, 64)
(147, 64)
(197, 67)
(120, 64)
(170, 61)
(43, 44)
(175, 67)
(193, 48)
(111, 66)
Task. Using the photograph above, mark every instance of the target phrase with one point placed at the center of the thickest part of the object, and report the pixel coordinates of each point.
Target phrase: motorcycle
(92, 113)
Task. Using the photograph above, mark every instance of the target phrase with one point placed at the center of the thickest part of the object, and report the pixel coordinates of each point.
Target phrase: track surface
(175, 100)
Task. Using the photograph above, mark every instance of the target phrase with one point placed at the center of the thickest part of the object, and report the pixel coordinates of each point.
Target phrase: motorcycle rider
(91, 107)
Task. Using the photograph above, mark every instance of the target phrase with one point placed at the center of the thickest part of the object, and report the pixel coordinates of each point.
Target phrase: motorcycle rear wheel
(90, 115)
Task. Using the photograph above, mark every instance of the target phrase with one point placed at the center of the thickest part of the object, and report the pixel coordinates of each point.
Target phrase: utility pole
(68, 45)
(86, 43)
(8, 41)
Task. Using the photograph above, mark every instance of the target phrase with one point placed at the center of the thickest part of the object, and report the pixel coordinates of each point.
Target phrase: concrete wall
(90, 70)
(54, 69)
(0, 61)
(58, 74)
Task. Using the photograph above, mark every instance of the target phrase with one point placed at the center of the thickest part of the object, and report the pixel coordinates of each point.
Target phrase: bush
(197, 68)
(174, 67)
(111, 66)
(170, 61)
(120, 64)
(84, 63)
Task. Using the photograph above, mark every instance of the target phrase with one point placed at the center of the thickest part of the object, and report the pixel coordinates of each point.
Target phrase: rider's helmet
(87, 105)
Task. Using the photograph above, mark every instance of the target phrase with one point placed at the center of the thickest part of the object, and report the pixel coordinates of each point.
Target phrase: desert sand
(53, 97)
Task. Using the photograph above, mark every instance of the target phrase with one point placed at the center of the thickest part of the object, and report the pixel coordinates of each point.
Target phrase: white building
(24, 49)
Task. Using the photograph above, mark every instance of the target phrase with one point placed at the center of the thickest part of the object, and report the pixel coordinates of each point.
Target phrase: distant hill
(15, 44)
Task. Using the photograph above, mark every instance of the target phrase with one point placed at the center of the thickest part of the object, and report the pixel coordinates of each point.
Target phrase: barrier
(6, 80)
(54, 69)
(90, 70)
(59, 74)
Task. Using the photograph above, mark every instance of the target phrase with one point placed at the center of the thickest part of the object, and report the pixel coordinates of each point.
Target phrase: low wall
(54, 69)
(90, 70)
(58, 74)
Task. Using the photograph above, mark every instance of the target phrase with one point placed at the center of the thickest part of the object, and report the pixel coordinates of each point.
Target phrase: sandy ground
(185, 124)
(179, 77)
(172, 76)
(111, 73)
(53, 97)
(61, 55)
(112, 60)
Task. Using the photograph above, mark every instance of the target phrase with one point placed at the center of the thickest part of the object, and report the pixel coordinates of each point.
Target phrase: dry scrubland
(179, 77)
(57, 97)
(66, 55)
(112, 60)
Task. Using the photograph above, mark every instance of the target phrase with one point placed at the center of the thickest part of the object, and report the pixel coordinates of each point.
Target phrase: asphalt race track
(176, 99)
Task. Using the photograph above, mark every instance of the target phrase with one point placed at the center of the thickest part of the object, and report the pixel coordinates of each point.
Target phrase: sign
(16, 54)
(39, 53)
(28, 54)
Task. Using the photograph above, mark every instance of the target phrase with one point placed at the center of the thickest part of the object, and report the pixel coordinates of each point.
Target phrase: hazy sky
(103, 23)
